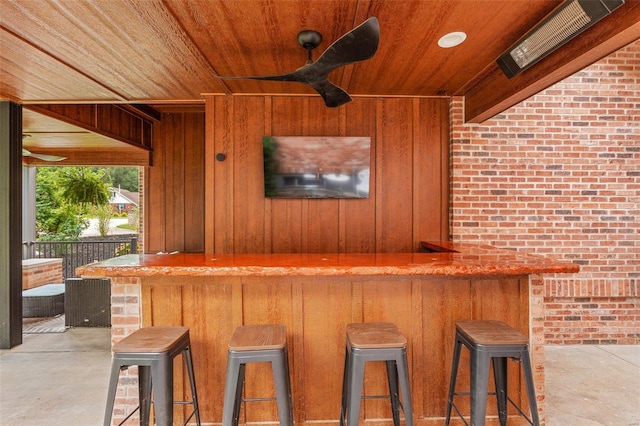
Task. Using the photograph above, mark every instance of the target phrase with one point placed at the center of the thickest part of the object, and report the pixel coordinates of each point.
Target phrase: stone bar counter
(315, 296)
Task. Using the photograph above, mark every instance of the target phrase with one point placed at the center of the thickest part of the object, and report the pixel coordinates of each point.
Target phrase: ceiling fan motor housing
(309, 39)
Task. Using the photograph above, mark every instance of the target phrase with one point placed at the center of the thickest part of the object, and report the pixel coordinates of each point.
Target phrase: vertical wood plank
(419, 353)
(326, 313)
(155, 207)
(445, 172)
(323, 226)
(287, 220)
(323, 215)
(248, 187)
(223, 171)
(297, 352)
(147, 304)
(444, 303)
(394, 179)
(342, 205)
(360, 215)
(175, 172)
(209, 174)
(427, 172)
(194, 159)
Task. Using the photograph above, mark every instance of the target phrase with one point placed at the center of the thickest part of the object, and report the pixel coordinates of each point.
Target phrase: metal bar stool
(491, 341)
(379, 341)
(257, 343)
(153, 349)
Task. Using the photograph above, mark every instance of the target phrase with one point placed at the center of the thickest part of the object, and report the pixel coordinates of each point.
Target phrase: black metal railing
(78, 253)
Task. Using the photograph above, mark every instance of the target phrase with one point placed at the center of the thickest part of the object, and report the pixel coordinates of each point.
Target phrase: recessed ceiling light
(452, 39)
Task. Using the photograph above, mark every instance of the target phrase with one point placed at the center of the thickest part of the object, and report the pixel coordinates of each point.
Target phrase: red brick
(561, 179)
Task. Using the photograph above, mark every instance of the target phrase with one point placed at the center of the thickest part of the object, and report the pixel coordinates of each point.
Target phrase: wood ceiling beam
(125, 124)
(492, 92)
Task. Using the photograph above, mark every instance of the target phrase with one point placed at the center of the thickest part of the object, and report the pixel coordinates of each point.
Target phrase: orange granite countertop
(460, 260)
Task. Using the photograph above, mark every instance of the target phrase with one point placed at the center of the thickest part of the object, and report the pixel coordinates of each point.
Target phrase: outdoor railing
(78, 253)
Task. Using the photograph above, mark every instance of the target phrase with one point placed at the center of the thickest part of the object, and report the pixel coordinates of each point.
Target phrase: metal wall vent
(567, 21)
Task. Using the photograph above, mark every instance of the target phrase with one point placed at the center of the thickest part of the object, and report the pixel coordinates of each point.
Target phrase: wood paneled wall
(409, 197)
(174, 184)
(196, 203)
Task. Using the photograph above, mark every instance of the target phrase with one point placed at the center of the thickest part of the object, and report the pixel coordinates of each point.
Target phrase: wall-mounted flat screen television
(316, 166)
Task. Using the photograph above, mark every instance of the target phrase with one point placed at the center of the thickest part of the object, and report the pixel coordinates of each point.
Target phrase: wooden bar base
(424, 294)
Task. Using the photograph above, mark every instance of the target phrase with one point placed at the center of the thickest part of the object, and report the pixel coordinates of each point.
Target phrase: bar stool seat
(257, 343)
(380, 341)
(153, 349)
(492, 341)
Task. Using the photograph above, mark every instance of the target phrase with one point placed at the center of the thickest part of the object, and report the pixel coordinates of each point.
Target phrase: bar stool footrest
(259, 399)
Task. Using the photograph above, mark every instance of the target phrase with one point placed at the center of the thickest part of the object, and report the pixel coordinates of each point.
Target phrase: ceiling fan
(357, 45)
(43, 157)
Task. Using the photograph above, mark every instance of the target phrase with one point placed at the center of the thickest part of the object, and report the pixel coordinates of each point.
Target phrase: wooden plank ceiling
(153, 52)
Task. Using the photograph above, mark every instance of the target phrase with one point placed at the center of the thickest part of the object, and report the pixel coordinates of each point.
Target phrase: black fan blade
(333, 95)
(357, 45)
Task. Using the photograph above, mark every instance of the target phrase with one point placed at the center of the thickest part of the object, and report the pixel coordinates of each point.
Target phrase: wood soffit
(169, 53)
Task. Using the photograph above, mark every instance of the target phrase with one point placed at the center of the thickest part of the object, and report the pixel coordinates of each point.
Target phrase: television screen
(316, 166)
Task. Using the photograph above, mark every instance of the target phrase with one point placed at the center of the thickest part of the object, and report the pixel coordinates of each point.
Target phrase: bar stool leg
(405, 389)
(111, 393)
(452, 380)
(500, 380)
(283, 392)
(531, 392)
(479, 383)
(232, 392)
(144, 394)
(238, 398)
(192, 382)
(162, 371)
(392, 378)
(345, 387)
(354, 394)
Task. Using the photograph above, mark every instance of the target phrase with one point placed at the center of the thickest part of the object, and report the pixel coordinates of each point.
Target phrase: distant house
(122, 200)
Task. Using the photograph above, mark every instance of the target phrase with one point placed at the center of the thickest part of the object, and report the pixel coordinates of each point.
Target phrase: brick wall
(37, 272)
(126, 314)
(559, 175)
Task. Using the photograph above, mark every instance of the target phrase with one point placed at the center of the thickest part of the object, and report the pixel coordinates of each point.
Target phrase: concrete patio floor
(61, 379)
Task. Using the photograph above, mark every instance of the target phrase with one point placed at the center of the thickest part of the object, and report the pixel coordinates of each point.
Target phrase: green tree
(63, 196)
(56, 219)
(124, 177)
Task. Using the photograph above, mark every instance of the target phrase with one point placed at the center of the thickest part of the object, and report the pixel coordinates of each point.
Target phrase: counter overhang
(467, 260)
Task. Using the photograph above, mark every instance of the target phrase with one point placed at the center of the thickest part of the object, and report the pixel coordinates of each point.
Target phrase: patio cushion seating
(43, 301)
